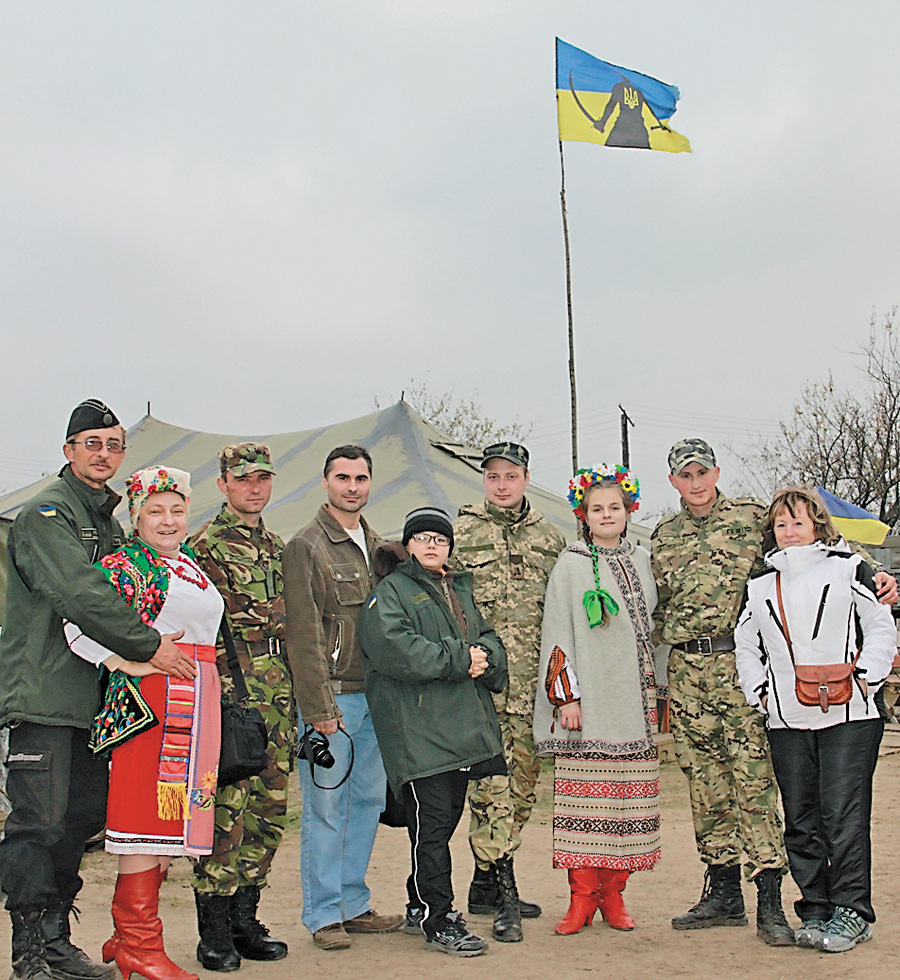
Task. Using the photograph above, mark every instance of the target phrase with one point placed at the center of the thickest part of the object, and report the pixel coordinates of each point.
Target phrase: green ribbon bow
(595, 601)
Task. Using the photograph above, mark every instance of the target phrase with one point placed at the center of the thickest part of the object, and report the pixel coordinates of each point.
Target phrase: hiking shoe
(844, 930)
(371, 921)
(809, 935)
(413, 922)
(333, 936)
(454, 938)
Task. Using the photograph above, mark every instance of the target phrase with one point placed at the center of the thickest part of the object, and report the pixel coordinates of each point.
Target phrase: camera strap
(312, 767)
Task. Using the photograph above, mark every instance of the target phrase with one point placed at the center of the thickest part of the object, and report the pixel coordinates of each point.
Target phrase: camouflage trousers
(501, 805)
(251, 814)
(722, 747)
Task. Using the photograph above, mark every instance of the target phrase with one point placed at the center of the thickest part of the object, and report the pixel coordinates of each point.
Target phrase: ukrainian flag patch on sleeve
(372, 601)
(47, 511)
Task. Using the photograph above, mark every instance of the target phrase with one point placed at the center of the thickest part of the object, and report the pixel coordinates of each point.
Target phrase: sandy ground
(653, 949)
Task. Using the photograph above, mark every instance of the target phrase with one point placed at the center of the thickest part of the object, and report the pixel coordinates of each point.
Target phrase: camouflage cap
(505, 450)
(246, 457)
(691, 451)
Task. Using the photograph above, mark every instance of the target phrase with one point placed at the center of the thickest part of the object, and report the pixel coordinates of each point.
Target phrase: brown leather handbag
(817, 684)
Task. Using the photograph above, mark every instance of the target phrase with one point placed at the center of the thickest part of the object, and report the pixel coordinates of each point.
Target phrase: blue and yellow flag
(854, 523)
(602, 103)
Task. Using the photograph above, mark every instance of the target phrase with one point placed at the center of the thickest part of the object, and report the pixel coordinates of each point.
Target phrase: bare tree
(849, 444)
(462, 418)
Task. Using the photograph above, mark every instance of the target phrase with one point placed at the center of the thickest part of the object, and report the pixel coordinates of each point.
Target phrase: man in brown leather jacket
(327, 577)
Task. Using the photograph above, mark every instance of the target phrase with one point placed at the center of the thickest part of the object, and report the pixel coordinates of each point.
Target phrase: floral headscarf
(155, 479)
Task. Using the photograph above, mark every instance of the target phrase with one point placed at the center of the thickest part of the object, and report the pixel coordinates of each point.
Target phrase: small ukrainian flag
(602, 103)
(854, 523)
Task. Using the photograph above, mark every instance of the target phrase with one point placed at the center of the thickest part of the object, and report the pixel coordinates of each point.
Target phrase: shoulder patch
(47, 511)
(762, 573)
(663, 521)
(372, 601)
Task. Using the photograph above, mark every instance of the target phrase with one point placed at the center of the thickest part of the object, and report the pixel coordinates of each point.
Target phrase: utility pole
(626, 421)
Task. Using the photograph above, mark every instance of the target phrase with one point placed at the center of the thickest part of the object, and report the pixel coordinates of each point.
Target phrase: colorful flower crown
(602, 474)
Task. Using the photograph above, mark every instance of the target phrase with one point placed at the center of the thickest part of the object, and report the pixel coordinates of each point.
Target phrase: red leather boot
(137, 943)
(583, 884)
(609, 899)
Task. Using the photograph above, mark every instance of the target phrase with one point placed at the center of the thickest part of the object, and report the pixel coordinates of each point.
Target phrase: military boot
(28, 961)
(721, 903)
(251, 937)
(483, 895)
(67, 961)
(215, 951)
(507, 918)
(771, 925)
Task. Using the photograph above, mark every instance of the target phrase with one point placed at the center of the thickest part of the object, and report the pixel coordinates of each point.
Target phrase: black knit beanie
(427, 519)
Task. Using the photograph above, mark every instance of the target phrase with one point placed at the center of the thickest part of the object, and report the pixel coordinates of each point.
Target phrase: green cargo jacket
(52, 545)
(326, 581)
(429, 715)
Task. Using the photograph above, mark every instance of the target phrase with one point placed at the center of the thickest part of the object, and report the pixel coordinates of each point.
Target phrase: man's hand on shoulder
(886, 588)
(170, 660)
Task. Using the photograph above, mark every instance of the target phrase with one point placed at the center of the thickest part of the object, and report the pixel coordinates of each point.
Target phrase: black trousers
(825, 778)
(434, 806)
(57, 791)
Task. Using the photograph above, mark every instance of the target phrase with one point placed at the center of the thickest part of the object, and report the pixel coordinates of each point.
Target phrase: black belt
(707, 644)
(259, 648)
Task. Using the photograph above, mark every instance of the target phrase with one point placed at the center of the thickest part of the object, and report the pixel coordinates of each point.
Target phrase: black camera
(313, 746)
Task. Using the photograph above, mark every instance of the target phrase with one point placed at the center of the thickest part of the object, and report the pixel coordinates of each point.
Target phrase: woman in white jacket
(824, 758)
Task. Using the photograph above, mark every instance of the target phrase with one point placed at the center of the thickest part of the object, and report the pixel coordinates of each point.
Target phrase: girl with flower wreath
(595, 710)
(163, 731)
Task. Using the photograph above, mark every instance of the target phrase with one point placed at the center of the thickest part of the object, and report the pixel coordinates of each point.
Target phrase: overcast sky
(260, 217)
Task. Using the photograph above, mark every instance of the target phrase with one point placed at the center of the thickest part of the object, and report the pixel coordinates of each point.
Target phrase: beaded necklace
(175, 565)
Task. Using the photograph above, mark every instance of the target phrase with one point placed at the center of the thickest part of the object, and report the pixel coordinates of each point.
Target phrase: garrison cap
(91, 414)
(691, 451)
(246, 457)
(511, 451)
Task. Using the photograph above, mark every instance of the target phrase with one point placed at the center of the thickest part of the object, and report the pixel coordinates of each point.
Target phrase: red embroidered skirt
(133, 823)
(606, 811)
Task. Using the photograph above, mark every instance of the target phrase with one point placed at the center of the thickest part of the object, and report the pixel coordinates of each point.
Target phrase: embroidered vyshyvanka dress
(606, 781)
(163, 780)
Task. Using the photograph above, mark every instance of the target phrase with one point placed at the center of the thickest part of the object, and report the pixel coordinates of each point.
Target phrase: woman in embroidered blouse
(162, 776)
(595, 709)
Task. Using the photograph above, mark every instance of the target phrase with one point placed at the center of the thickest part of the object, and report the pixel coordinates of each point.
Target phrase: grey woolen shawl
(609, 661)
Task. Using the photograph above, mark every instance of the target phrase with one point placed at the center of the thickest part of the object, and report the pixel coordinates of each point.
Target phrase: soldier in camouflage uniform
(243, 560)
(511, 549)
(702, 558)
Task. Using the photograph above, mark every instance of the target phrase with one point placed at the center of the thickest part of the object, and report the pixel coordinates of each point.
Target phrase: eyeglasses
(94, 445)
(438, 539)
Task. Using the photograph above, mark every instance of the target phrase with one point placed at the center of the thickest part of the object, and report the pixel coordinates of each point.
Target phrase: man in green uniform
(48, 696)
(243, 560)
(510, 548)
(702, 558)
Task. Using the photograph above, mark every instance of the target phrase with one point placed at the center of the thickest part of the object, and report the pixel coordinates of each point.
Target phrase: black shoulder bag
(245, 737)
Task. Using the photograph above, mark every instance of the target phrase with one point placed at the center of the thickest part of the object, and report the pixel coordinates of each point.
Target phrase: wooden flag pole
(574, 405)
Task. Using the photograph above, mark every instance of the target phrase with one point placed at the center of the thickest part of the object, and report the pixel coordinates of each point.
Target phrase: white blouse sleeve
(88, 649)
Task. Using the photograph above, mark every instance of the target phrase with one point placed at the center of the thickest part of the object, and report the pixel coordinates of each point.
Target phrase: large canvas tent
(414, 465)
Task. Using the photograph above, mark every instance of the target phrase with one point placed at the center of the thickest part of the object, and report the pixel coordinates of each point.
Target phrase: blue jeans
(337, 827)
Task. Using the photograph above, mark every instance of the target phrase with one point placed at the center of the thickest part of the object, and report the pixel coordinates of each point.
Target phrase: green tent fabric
(414, 465)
